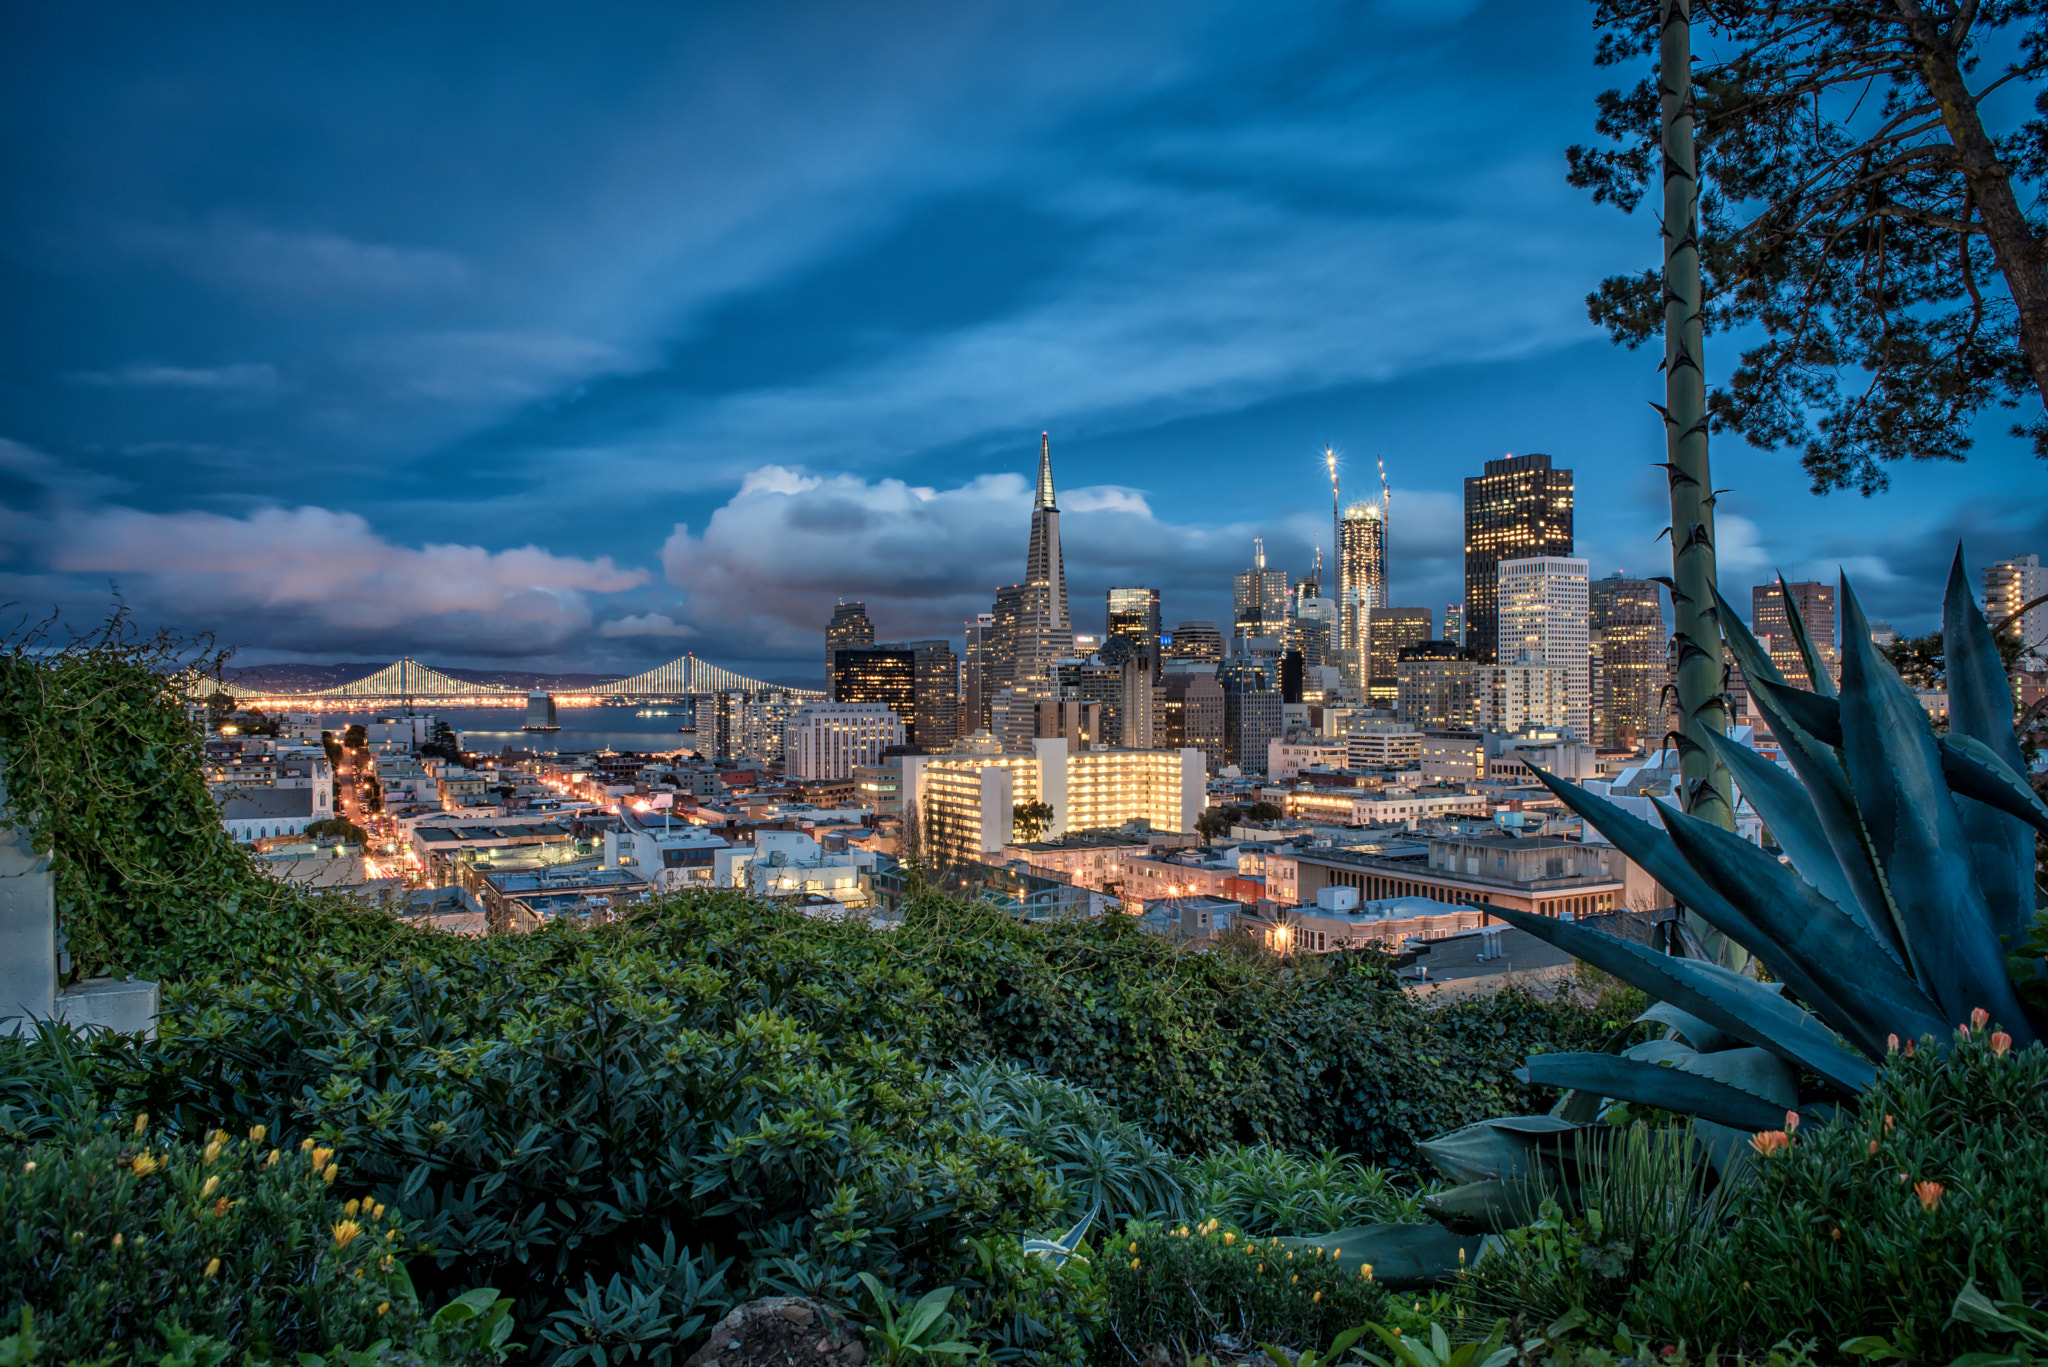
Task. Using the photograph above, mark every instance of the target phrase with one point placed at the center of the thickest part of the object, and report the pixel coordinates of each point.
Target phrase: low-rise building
(963, 803)
(666, 854)
(1339, 919)
(1288, 755)
(1378, 744)
(792, 865)
(259, 813)
(519, 900)
(1403, 805)
(1543, 875)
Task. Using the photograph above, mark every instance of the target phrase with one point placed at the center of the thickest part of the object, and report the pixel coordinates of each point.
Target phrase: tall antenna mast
(1386, 532)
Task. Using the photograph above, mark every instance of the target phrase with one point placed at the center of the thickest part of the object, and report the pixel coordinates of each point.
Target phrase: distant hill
(302, 678)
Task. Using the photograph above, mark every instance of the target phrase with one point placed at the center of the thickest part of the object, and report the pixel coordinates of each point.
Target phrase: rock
(782, 1331)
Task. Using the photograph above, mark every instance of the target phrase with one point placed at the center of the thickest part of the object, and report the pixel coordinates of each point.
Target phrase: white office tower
(2009, 586)
(1543, 621)
(828, 739)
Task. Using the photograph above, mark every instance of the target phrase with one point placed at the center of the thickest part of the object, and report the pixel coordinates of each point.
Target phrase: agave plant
(1910, 878)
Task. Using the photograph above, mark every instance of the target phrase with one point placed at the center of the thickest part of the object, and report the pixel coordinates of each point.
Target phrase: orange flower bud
(1770, 1143)
(1929, 1194)
(1979, 1018)
(2000, 1042)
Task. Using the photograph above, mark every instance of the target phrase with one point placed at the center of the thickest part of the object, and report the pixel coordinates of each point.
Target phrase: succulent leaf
(1974, 770)
(1819, 717)
(1789, 812)
(1719, 997)
(1851, 981)
(1823, 683)
(1894, 766)
(1655, 1084)
(1980, 709)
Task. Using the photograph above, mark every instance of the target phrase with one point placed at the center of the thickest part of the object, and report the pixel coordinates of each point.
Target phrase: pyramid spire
(1045, 498)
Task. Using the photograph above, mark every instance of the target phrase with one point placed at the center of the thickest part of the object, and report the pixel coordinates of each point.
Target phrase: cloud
(310, 574)
(771, 562)
(279, 263)
(246, 378)
(648, 624)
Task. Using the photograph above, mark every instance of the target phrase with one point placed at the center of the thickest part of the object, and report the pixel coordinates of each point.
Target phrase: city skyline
(602, 398)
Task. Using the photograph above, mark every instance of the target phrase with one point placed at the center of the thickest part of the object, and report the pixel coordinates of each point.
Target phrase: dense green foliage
(1837, 1237)
(115, 1240)
(1259, 1189)
(102, 765)
(1185, 1287)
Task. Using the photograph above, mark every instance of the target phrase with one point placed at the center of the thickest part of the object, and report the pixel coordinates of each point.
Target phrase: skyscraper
(887, 675)
(934, 722)
(1542, 621)
(1438, 687)
(976, 687)
(1261, 596)
(1362, 570)
(1520, 508)
(1815, 603)
(1045, 634)
(1393, 630)
(1454, 623)
(2009, 586)
(1629, 616)
(1133, 615)
(850, 630)
(1195, 641)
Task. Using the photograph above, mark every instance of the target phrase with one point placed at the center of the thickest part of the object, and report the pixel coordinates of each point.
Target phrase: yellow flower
(320, 1157)
(271, 1161)
(1365, 1272)
(145, 1164)
(351, 1208)
(1929, 1194)
(1313, 1299)
(1134, 1246)
(29, 1166)
(1295, 1278)
(256, 1133)
(383, 1307)
(217, 1137)
(377, 1211)
(117, 1243)
(306, 1144)
(329, 1175)
(220, 1207)
(391, 1236)
(1260, 1268)
(141, 1122)
(212, 1185)
(345, 1233)
(213, 1267)
(1134, 1262)
(211, 1153)
(1228, 1237)
(1836, 1234)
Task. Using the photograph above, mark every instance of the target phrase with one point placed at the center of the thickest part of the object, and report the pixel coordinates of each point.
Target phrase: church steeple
(1045, 498)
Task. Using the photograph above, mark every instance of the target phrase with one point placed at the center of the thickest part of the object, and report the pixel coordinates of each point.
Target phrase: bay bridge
(411, 683)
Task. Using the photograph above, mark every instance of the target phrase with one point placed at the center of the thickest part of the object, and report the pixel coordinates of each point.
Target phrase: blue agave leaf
(1895, 767)
(1718, 996)
(1823, 685)
(1974, 769)
(1980, 708)
(1749, 652)
(1862, 992)
(1657, 1085)
(1818, 717)
(1652, 849)
(1818, 763)
(1786, 809)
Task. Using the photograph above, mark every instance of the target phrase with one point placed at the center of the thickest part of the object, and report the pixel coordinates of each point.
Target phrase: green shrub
(101, 764)
(1264, 1190)
(1200, 1289)
(1026, 1309)
(118, 1245)
(1836, 1237)
(1105, 1164)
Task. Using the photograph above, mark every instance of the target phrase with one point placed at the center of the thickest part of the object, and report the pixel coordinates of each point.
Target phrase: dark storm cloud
(488, 331)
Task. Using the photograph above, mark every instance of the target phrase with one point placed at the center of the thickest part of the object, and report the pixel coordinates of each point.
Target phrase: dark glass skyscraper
(1519, 509)
(850, 630)
(1133, 616)
(887, 676)
(1628, 615)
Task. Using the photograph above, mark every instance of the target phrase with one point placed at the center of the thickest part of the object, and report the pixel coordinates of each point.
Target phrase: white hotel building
(828, 740)
(1543, 621)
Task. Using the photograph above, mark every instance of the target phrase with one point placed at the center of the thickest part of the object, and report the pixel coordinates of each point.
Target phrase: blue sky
(524, 336)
